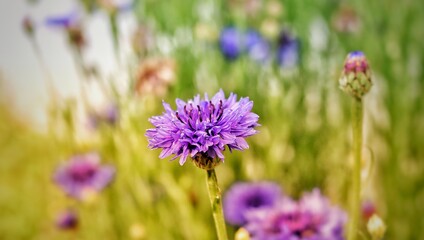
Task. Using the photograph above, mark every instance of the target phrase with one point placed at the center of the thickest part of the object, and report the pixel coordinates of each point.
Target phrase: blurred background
(85, 76)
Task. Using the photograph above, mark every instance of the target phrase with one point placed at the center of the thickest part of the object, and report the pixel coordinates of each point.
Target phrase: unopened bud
(376, 227)
(356, 75)
(28, 26)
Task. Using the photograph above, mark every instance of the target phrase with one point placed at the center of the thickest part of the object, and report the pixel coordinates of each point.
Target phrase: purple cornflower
(231, 42)
(67, 220)
(311, 218)
(201, 128)
(244, 197)
(256, 46)
(82, 174)
(288, 50)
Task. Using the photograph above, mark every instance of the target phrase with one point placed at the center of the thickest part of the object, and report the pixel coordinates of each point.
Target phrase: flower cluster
(233, 42)
(202, 128)
(83, 175)
(266, 214)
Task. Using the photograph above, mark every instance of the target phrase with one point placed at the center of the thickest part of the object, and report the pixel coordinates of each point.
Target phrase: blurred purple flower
(231, 42)
(84, 173)
(244, 197)
(67, 220)
(288, 48)
(108, 116)
(256, 46)
(64, 21)
(312, 218)
(203, 127)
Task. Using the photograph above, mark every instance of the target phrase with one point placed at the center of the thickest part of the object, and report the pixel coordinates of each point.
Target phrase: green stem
(357, 113)
(215, 198)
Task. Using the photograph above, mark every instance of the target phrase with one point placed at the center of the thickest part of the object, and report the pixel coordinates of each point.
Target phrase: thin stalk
(47, 75)
(357, 113)
(216, 203)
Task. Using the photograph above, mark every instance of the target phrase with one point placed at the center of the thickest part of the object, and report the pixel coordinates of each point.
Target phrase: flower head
(244, 197)
(202, 128)
(356, 75)
(83, 174)
(310, 218)
(67, 220)
(257, 47)
(231, 42)
(288, 50)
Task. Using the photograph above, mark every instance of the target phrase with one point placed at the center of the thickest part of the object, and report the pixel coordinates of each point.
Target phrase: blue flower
(256, 46)
(231, 42)
(64, 21)
(203, 127)
(244, 197)
(288, 48)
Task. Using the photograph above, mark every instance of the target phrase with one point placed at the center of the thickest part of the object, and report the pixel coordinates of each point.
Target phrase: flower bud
(376, 227)
(67, 220)
(28, 26)
(356, 75)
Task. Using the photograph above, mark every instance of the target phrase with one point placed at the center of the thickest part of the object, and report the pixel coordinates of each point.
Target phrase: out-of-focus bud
(376, 227)
(368, 209)
(28, 26)
(67, 220)
(356, 75)
(137, 231)
(346, 20)
(76, 36)
(242, 234)
(155, 76)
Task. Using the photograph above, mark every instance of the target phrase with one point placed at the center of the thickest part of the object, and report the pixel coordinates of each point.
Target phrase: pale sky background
(22, 79)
